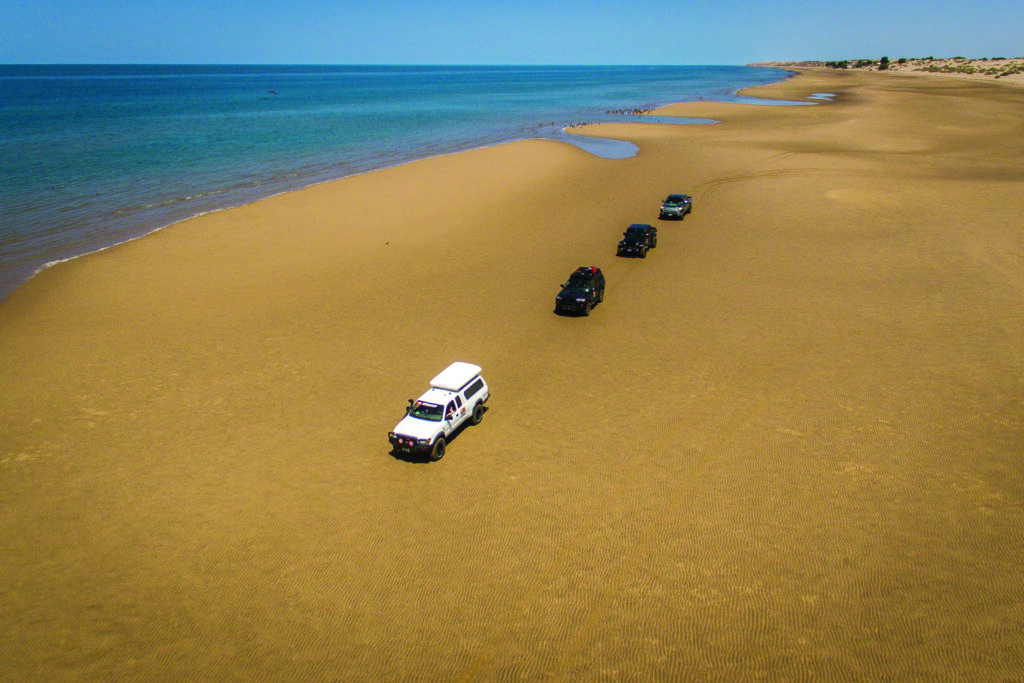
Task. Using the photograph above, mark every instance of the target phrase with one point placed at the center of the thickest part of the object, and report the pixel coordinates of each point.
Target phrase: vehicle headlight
(422, 442)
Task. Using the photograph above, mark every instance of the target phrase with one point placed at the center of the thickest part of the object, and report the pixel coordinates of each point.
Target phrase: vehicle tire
(478, 413)
(437, 452)
(600, 297)
(586, 308)
(643, 254)
(654, 243)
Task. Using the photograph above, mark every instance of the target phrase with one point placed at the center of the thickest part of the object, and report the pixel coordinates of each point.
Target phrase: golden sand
(788, 445)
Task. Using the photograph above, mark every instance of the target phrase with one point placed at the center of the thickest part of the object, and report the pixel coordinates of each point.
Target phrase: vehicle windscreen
(427, 411)
(674, 199)
(636, 234)
(580, 283)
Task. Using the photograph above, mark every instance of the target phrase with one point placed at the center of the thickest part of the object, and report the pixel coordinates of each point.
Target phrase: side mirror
(408, 408)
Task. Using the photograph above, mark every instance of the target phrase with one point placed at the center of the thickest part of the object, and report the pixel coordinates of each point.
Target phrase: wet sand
(788, 445)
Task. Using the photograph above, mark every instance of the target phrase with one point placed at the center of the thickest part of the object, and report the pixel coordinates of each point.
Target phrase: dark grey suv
(637, 239)
(581, 292)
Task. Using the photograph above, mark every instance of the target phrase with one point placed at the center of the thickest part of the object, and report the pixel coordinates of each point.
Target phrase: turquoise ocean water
(95, 155)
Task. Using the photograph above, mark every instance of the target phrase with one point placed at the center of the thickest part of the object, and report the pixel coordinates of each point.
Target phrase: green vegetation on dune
(998, 67)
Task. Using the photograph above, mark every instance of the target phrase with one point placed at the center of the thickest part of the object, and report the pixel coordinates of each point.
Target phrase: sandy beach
(787, 446)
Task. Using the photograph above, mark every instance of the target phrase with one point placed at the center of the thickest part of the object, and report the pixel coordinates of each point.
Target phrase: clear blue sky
(502, 31)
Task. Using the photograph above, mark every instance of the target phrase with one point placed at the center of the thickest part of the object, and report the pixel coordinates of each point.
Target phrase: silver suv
(676, 206)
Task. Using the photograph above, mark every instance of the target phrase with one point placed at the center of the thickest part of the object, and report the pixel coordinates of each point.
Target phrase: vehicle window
(426, 411)
(458, 401)
(474, 388)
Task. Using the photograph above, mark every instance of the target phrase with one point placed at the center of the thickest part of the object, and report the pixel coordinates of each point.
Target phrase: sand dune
(788, 445)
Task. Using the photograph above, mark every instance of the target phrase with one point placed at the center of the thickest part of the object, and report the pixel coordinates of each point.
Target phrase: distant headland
(1010, 69)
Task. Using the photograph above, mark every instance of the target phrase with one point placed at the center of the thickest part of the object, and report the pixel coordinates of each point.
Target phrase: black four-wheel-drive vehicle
(583, 290)
(676, 206)
(637, 239)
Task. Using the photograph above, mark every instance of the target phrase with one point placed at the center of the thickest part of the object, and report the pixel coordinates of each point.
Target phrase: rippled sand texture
(788, 445)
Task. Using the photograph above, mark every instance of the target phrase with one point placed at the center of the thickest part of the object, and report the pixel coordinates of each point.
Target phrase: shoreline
(582, 145)
(96, 224)
(585, 144)
(785, 445)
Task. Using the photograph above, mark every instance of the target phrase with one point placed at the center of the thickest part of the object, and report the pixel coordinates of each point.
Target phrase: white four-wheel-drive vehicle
(456, 394)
